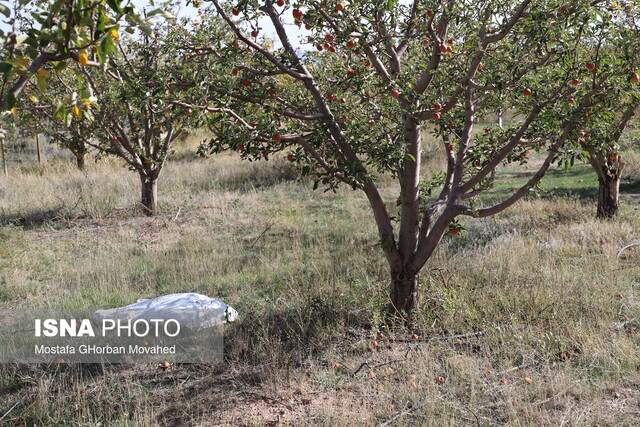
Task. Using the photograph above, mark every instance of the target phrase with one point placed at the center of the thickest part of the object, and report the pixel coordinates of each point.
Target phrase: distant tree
(148, 97)
(373, 76)
(40, 36)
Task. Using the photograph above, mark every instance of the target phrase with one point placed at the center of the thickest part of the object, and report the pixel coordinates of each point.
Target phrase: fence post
(4, 157)
(38, 148)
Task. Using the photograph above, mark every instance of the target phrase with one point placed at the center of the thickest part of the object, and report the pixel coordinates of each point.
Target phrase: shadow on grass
(630, 187)
(32, 220)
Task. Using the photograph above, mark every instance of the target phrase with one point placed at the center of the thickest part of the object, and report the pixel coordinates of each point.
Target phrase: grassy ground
(533, 290)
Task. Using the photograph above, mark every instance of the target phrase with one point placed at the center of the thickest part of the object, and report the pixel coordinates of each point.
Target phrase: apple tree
(148, 97)
(371, 78)
(615, 50)
(41, 36)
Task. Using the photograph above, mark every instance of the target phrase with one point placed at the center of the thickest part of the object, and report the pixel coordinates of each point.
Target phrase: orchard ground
(557, 310)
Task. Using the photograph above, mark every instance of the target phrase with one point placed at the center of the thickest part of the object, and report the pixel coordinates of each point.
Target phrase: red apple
(297, 14)
(395, 93)
(454, 231)
(425, 41)
(450, 41)
(203, 155)
(372, 122)
(590, 66)
(235, 11)
(234, 72)
(339, 6)
(437, 106)
(526, 92)
(343, 101)
(280, 3)
(240, 147)
(332, 49)
(246, 83)
(290, 157)
(414, 337)
(575, 82)
(450, 147)
(351, 44)
(619, 296)
(380, 335)
(329, 38)
(571, 101)
(319, 46)
(375, 344)
(351, 73)
(254, 33)
(635, 78)
(366, 64)
(443, 48)
(440, 380)
(265, 154)
(436, 116)
(331, 96)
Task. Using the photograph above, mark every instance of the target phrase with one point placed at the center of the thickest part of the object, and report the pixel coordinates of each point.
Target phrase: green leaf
(42, 83)
(165, 14)
(146, 30)
(11, 100)
(5, 68)
(5, 10)
(59, 111)
(115, 6)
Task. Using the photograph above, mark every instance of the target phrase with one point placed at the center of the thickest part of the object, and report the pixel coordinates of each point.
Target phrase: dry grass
(304, 270)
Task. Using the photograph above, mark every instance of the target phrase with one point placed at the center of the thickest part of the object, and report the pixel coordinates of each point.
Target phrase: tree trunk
(609, 170)
(149, 194)
(404, 288)
(608, 196)
(80, 161)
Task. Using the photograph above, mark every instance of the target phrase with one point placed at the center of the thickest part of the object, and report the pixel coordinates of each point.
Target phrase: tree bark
(608, 196)
(404, 290)
(149, 197)
(80, 163)
(609, 172)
